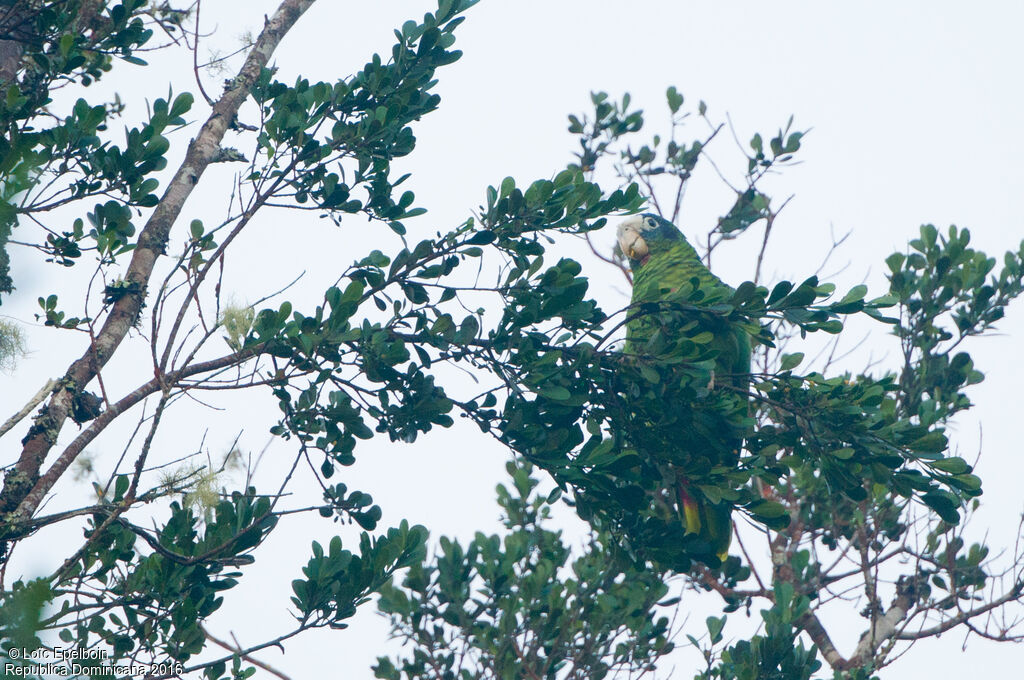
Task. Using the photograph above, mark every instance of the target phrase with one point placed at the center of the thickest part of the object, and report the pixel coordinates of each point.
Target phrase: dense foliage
(830, 461)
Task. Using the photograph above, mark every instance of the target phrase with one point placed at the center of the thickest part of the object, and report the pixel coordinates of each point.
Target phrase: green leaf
(121, 487)
(791, 361)
(715, 625)
(481, 238)
(675, 100)
(953, 465)
(555, 393)
(933, 442)
(182, 103)
(67, 41)
(856, 293)
(507, 185)
(895, 262)
(944, 504)
(766, 508)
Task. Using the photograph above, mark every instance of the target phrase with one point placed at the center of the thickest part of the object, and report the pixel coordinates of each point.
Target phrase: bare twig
(37, 399)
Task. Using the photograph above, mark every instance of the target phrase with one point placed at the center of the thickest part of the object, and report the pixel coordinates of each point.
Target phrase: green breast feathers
(662, 260)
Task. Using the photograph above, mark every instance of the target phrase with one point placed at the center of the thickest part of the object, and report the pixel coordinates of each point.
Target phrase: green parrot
(662, 260)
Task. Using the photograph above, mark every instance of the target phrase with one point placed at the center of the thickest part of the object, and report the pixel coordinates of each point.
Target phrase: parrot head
(640, 236)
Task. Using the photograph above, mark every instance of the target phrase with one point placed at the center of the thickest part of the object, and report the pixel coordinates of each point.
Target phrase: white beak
(631, 242)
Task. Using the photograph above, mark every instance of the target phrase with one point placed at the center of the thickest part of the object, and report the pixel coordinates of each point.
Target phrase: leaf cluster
(522, 605)
(64, 43)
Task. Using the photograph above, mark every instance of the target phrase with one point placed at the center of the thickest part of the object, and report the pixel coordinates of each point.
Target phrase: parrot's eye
(651, 223)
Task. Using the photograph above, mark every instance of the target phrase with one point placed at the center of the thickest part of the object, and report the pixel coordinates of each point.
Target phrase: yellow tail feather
(691, 512)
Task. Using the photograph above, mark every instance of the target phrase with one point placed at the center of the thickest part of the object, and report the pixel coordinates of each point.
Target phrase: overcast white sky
(915, 109)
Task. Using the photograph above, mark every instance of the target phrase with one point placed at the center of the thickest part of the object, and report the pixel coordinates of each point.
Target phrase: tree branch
(952, 622)
(43, 392)
(46, 481)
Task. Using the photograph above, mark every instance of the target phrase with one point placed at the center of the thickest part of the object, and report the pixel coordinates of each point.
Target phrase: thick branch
(820, 637)
(151, 245)
(883, 627)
